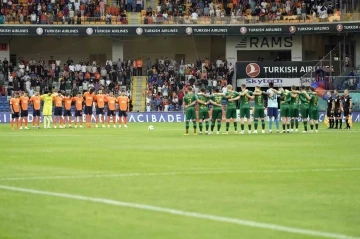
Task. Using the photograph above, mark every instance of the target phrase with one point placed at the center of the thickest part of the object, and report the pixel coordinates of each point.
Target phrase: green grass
(294, 180)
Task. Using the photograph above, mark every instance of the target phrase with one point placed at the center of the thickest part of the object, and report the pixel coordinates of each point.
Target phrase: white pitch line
(171, 211)
(118, 175)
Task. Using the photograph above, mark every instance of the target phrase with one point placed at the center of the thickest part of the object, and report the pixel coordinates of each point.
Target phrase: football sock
(187, 125)
(316, 126)
(235, 126)
(311, 126)
(194, 125)
(336, 123)
(305, 125)
(227, 126)
(255, 124)
(200, 126)
(292, 123)
(340, 120)
(288, 126)
(249, 126)
(212, 126)
(277, 123)
(45, 121)
(296, 123)
(270, 123)
(283, 126)
(242, 126)
(207, 125)
(218, 125)
(263, 124)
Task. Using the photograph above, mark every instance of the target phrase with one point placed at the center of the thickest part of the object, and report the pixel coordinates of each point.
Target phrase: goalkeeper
(47, 108)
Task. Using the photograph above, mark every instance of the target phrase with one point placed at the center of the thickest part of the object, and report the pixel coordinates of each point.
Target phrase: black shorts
(24, 113)
(78, 113)
(67, 113)
(58, 111)
(36, 113)
(329, 114)
(346, 112)
(111, 113)
(100, 111)
(122, 113)
(88, 110)
(15, 115)
(337, 113)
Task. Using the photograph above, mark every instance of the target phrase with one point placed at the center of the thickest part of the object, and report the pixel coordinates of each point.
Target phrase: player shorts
(314, 114)
(78, 113)
(100, 111)
(67, 113)
(36, 113)
(88, 110)
(24, 113)
(285, 111)
(329, 114)
(190, 114)
(111, 113)
(122, 113)
(47, 111)
(216, 114)
(304, 111)
(294, 112)
(245, 112)
(231, 113)
(337, 113)
(15, 115)
(203, 114)
(259, 113)
(272, 112)
(346, 112)
(58, 111)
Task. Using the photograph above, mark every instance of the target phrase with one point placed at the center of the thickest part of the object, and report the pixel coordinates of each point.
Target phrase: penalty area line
(177, 212)
(204, 172)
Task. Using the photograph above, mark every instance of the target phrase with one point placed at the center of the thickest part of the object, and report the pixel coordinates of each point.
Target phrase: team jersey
(314, 100)
(244, 100)
(287, 98)
(272, 101)
(15, 104)
(329, 103)
(111, 101)
(259, 101)
(36, 102)
(294, 102)
(337, 101)
(58, 100)
(123, 102)
(347, 100)
(48, 100)
(217, 98)
(89, 98)
(67, 103)
(189, 99)
(304, 101)
(203, 98)
(100, 100)
(231, 104)
(78, 103)
(24, 102)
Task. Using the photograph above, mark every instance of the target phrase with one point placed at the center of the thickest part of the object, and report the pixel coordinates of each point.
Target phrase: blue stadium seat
(2, 108)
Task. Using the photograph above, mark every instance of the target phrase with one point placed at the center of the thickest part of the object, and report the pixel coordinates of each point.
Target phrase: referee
(337, 110)
(330, 109)
(347, 107)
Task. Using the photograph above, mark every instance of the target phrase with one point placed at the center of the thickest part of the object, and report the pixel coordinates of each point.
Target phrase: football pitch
(134, 184)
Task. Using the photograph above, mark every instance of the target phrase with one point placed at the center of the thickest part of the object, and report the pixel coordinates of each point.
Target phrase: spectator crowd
(63, 11)
(239, 10)
(167, 81)
(71, 77)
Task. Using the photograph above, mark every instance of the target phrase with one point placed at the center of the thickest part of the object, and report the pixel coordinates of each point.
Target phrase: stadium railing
(202, 20)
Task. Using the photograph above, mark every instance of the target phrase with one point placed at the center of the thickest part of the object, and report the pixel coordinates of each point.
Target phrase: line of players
(290, 103)
(19, 106)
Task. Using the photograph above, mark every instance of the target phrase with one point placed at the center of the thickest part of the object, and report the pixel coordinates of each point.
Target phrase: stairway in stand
(138, 93)
(134, 18)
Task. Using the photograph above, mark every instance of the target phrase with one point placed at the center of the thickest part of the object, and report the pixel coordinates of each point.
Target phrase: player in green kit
(203, 100)
(294, 109)
(313, 110)
(259, 109)
(216, 100)
(189, 107)
(304, 108)
(284, 108)
(47, 108)
(244, 97)
(231, 108)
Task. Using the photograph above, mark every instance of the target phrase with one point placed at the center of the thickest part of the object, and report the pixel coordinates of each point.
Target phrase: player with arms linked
(203, 100)
(294, 109)
(35, 100)
(189, 108)
(313, 110)
(231, 108)
(15, 110)
(216, 100)
(272, 107)
(244, 97)
(24, 103)
(259, 109)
